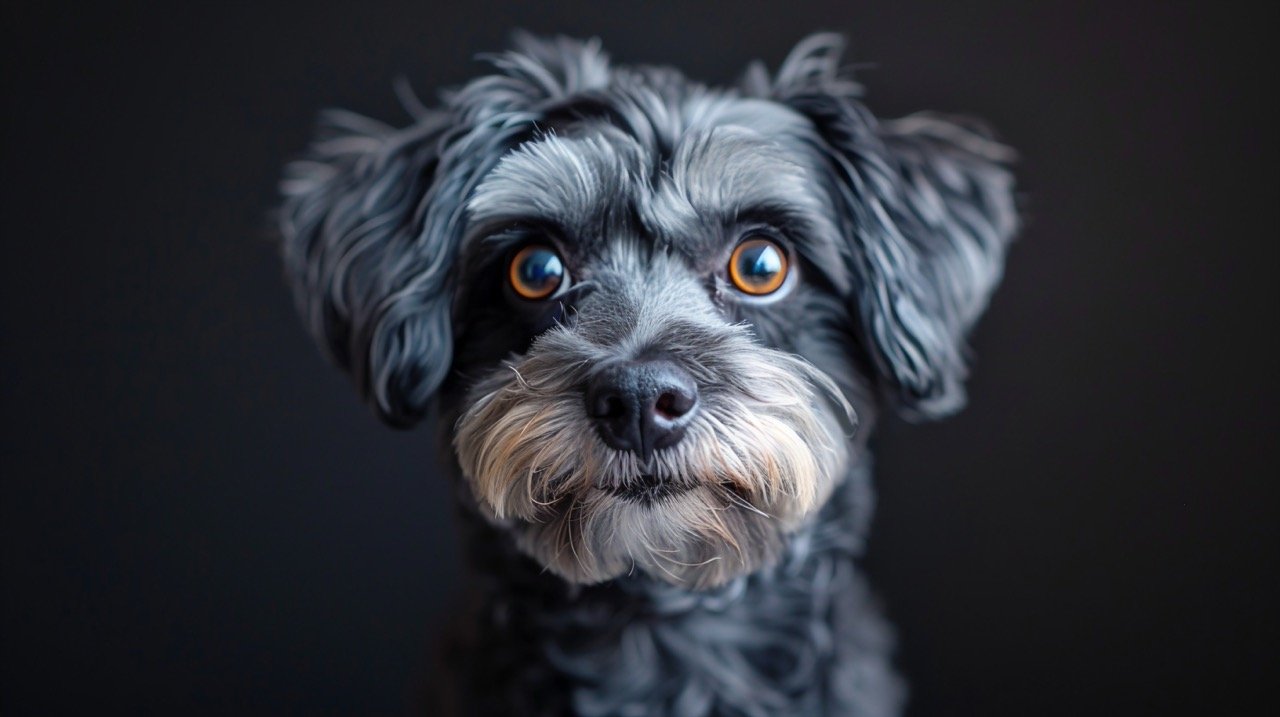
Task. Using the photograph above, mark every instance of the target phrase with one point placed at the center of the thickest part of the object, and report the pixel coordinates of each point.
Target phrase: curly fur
(732, 591)
(802, 637)
(756, 463)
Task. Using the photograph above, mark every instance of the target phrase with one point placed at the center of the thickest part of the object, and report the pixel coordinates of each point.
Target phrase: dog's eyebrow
(565, 180)
(787, 218)
(506, 231)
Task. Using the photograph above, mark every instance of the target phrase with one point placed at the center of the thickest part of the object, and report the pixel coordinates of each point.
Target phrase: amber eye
(758, 266)
(536, 272)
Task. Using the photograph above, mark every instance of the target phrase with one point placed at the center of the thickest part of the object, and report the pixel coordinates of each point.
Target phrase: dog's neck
(801, 637)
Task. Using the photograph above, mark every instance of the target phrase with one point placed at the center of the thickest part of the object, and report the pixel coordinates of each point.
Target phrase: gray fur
(733, 592)
(928, 209)
(537, 467)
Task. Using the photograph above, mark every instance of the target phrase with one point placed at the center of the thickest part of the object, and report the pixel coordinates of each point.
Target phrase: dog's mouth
(648, 489)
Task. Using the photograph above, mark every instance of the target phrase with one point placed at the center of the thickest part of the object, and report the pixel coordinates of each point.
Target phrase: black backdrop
(198, 515)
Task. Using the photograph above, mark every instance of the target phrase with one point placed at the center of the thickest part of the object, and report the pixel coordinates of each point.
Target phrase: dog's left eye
(536, 272)
(758, 266)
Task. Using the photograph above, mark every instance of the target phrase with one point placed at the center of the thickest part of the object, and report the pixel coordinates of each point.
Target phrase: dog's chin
(690, 535)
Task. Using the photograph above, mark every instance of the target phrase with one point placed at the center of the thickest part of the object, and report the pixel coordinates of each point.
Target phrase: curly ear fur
(927, 211)
(372, 217)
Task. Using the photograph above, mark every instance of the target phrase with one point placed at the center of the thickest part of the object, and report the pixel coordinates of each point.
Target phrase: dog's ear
(373, 215)
(926, 212)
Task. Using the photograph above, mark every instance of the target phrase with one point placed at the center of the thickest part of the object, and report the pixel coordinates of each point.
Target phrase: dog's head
(656, 312)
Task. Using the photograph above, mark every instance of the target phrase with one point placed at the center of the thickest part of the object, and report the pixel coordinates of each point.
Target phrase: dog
(657, 322)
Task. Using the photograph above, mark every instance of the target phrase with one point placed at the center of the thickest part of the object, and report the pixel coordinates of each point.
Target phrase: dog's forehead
(730, 163)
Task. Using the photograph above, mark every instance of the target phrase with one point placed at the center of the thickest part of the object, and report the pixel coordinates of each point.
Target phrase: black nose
(642, 405)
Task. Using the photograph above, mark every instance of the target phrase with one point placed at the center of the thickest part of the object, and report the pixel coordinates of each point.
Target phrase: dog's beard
(762, 454)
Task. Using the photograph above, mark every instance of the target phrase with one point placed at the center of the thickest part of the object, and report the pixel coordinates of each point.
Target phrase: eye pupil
(540, 269)
(761, 263)
(536, 272)
(758, 266)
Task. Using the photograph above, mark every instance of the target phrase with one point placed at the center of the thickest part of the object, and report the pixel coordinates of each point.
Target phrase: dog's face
(660, 317)
(634, 324)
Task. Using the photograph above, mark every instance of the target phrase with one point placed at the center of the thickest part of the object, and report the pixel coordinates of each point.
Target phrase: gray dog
(658, 321)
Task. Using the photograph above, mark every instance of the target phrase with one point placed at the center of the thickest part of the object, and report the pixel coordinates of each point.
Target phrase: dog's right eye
(536, 272)
(758, 266)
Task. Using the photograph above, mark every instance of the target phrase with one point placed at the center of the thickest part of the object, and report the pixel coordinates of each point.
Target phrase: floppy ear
(927, 212)
(373, 216)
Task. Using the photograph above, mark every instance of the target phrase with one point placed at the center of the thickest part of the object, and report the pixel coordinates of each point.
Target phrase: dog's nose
(642, 405)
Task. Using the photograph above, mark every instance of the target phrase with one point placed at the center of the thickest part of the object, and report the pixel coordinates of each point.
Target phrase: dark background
(199, 516)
